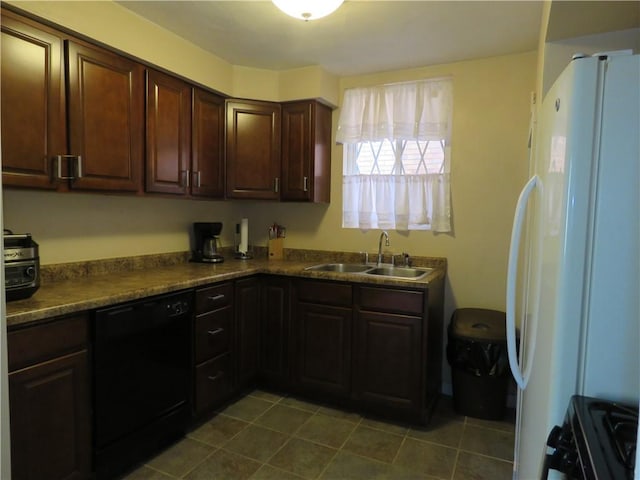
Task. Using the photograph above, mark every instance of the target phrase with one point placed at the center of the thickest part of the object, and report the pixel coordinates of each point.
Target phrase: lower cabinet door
(214, 383)
(247, 305)
(50, 419)
(388, 353)
(323, 349)
(274, 332)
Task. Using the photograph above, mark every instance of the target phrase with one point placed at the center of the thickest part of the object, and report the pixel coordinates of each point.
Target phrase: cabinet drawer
(324, 292)
(213, 333)
(392, 300)
(214, 382)
(214, 297)
(42, 342)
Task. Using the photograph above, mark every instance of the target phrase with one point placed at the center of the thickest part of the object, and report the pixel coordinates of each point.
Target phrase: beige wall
(587, 27)
(489, 166)
(143, 39)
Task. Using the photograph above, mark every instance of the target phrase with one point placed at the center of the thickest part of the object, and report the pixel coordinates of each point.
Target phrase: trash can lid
(479, 324)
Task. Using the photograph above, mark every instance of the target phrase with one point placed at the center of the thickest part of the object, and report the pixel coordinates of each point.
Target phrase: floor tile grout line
(158, 470)
(485, 455)
(297, 435)
(395, 457)
(214, 450)
(430, 442)
(324, 469)
(289, 437)
(360, 422)
(455, 464)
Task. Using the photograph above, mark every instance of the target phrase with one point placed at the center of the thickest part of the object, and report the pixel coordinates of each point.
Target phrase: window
(399, 157)
(396, 156)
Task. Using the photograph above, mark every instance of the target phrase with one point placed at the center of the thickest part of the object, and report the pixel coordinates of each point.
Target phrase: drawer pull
(216, 376)
(215, 298)
(216, 331)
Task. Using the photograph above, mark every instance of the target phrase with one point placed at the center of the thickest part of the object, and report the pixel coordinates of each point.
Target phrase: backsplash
(73, 270)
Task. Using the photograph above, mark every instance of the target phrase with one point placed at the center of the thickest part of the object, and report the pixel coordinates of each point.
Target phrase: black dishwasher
(141, 372)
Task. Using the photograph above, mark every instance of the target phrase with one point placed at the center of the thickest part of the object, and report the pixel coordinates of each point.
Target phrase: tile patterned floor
(267, 436)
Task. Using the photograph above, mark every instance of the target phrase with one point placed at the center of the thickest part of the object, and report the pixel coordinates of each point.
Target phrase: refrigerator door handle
(512, 276)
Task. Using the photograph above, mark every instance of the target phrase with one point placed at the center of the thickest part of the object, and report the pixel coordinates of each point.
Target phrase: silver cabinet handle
(197, 174)
(185, 181)
(216, 376)
(276, 185)
(77, 158)
(79, 166)
(216, 331)
(215, 298)
(305, 184)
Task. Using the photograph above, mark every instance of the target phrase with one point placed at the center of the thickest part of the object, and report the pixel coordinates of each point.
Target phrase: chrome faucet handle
(407, 259)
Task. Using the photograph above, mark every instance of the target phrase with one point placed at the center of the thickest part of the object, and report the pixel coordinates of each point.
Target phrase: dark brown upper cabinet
(168, 136)
(207, 153)
(306, 151)
(33, 102)
(185, 138)
(87, 136)
(74, 117)
(106, 118)
(253, 150)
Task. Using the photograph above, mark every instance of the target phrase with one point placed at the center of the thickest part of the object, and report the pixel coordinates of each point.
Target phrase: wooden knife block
(276, 247)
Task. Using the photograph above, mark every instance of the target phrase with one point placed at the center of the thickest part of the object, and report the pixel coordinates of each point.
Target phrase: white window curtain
(399, 199)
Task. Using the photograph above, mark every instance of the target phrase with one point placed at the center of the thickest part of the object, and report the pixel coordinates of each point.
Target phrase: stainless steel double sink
(389, 271)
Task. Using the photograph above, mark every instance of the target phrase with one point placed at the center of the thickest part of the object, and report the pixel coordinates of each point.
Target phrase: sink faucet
(386, 235)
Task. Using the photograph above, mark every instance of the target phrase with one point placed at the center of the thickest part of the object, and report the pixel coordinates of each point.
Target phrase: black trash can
(477, 353)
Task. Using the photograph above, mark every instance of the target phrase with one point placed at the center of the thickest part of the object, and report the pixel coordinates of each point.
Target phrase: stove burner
(622, 424)
(597, 441)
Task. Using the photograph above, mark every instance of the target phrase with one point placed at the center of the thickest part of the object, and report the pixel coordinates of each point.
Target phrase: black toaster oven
(21, 265)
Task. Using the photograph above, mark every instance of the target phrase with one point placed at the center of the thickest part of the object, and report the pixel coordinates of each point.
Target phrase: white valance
(404, 111)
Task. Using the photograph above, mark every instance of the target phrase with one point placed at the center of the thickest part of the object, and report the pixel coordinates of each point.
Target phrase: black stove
(596, 442)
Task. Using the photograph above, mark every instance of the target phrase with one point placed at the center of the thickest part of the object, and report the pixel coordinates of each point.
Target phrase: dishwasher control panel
(177, 307)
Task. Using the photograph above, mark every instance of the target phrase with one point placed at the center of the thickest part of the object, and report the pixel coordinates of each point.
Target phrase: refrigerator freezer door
(563, 162)
(609, 363)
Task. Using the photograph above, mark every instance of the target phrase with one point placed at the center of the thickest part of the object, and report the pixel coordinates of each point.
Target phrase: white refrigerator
(575, 253)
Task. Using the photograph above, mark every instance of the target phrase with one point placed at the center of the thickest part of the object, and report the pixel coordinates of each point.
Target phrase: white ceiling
(360, 37)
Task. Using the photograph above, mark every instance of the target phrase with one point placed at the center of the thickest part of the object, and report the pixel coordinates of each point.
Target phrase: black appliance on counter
(597, 441)
(206, 242)
(21, 265)
(142, 379)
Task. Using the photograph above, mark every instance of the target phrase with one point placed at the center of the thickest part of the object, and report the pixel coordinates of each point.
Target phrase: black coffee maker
(206, 239)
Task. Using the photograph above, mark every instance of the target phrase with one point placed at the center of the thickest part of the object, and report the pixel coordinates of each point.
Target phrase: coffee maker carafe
(206, 240)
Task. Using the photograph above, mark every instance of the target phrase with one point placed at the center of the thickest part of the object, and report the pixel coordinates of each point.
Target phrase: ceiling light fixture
(308, 9)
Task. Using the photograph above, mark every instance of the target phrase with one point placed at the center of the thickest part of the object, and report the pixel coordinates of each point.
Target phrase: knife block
(276, 247)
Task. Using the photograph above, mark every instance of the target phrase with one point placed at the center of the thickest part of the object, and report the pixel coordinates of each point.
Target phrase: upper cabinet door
(168, 134)
(33, 102)
(306, 151)
(106, 118)
(253, 150)
(207, 157)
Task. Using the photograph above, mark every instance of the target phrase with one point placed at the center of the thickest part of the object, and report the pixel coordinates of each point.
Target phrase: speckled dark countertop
(71, 288)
